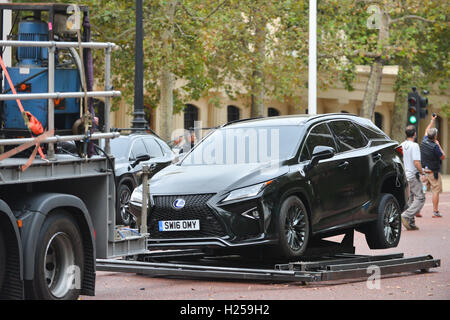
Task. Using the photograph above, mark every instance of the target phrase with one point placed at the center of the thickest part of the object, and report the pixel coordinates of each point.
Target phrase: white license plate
(179, 225)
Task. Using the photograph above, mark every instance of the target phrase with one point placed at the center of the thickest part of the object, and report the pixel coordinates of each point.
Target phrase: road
(433, 238)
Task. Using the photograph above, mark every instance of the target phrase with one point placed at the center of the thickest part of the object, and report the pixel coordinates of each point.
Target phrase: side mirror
(139, 159)
(321, 153)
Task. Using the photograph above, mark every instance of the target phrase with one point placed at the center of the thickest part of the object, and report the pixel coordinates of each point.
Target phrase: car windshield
(237, 145)
(119, 147)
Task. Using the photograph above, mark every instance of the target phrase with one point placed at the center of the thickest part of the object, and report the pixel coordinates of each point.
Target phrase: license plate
(179, 225)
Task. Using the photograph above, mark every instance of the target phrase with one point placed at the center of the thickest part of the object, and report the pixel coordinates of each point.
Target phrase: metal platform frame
(326, 261)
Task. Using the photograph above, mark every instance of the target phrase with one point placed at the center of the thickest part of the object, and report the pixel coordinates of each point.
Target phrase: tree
(412, 34)
(258, 50)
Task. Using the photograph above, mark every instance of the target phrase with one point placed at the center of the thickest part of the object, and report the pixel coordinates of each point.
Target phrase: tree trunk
(376, 71)
(257, 87)
(165, 115)
(399, 115)
(372, 89)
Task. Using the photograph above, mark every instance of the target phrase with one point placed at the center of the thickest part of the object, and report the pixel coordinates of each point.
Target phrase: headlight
(246, 192)
(136, 196)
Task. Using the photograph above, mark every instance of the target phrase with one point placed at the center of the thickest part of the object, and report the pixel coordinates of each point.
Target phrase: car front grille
(195, 209)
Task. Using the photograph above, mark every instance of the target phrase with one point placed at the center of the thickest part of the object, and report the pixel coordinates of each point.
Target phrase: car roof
(290, 120)
(132, 136)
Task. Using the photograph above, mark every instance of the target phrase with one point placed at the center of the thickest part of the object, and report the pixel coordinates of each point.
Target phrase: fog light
(253, 213)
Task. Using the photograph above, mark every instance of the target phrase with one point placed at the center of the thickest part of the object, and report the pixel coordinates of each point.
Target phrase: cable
(110, 163)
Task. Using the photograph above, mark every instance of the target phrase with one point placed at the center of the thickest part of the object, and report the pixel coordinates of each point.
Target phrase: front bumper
(232, 225)
(191, 243)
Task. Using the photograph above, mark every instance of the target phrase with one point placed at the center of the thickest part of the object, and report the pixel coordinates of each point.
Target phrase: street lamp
(139, 122)
(312, 65)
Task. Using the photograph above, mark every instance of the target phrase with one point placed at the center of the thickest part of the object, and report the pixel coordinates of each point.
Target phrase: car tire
(123, 215)
(59, 260)
(386, 230)
(293, 228)
(2, 259)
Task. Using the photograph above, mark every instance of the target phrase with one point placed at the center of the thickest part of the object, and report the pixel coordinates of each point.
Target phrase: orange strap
(25, 146)
(35, 127)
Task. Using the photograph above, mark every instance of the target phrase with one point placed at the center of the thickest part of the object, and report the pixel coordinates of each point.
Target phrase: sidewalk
(446, 183)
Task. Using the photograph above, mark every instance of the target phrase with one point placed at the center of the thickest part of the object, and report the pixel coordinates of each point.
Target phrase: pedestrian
(413, 171)
(432, 156)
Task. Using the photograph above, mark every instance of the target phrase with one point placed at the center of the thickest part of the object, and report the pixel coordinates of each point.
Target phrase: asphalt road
(433, 238)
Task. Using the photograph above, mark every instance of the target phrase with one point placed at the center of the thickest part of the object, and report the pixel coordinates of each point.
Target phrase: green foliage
(215, 45)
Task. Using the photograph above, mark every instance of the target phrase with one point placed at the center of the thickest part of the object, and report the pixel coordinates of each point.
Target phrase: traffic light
(423, 104)
(413, 104)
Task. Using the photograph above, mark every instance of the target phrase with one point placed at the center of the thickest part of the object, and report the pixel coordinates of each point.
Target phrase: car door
(329, 179)
(156, 153)
(138, 149)
(352, 147)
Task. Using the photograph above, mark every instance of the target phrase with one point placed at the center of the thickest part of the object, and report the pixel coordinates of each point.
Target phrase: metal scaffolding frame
(51, 95)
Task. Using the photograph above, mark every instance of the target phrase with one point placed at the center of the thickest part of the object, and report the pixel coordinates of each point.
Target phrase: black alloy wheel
(124, 216)
(294, 227)
(386, 230)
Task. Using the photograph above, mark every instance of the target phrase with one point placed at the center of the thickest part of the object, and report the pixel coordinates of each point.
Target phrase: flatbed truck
(57, 216)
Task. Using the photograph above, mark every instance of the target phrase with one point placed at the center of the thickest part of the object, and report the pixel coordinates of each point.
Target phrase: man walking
(432, 156)
(413, 169)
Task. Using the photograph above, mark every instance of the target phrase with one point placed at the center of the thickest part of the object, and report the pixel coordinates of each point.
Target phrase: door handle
(343, 165)
(376, 157)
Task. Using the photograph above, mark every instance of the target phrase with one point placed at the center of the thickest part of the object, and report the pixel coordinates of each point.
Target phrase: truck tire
(2, 259)
(293, 228)
(59, 260)
(386, 230)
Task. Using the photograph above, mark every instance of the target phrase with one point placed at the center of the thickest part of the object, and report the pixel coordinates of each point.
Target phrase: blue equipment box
(67, 111)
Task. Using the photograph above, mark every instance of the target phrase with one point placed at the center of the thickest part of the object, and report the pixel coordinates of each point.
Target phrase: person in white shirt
(413, 169)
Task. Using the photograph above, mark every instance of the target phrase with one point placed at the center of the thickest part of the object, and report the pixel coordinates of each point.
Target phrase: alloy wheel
(295, 227)
(392, 222)
(125, 214)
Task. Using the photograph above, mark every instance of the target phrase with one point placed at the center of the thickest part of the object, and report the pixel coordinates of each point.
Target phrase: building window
(379, 120)
(272, 112)
(190, 116)
(233, 113)
(344, 111)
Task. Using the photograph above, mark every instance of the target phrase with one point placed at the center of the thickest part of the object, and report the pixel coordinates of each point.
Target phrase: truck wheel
(2, 259)
(123, 215)
(59, 260)
(386, 230)
(293, 228)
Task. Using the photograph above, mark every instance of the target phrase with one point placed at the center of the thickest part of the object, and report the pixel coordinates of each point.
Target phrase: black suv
(130, 153)
(280, 181)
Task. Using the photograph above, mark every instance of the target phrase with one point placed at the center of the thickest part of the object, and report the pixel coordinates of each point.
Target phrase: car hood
(195, 179)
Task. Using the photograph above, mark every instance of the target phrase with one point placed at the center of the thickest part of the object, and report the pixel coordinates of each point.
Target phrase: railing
(51, 95)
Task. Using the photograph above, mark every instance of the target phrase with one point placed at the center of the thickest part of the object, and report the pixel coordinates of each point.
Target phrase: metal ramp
(193, 264)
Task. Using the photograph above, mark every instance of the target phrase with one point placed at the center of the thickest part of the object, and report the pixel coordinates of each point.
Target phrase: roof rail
(241, 120)
(330, 114)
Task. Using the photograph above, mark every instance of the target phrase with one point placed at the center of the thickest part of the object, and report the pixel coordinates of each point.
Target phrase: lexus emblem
(179, 204)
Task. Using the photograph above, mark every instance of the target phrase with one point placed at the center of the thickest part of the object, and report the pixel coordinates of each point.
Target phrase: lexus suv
(280, 182)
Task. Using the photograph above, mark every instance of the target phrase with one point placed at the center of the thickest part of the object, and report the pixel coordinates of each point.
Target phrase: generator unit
(30, 75)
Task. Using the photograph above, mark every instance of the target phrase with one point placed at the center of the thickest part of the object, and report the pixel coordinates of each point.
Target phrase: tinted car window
(348, 135)
(372, 133)
(319, 136)
(120, 147)
(138, 149)
(164, 146)
(154, 150)
(246, 145)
